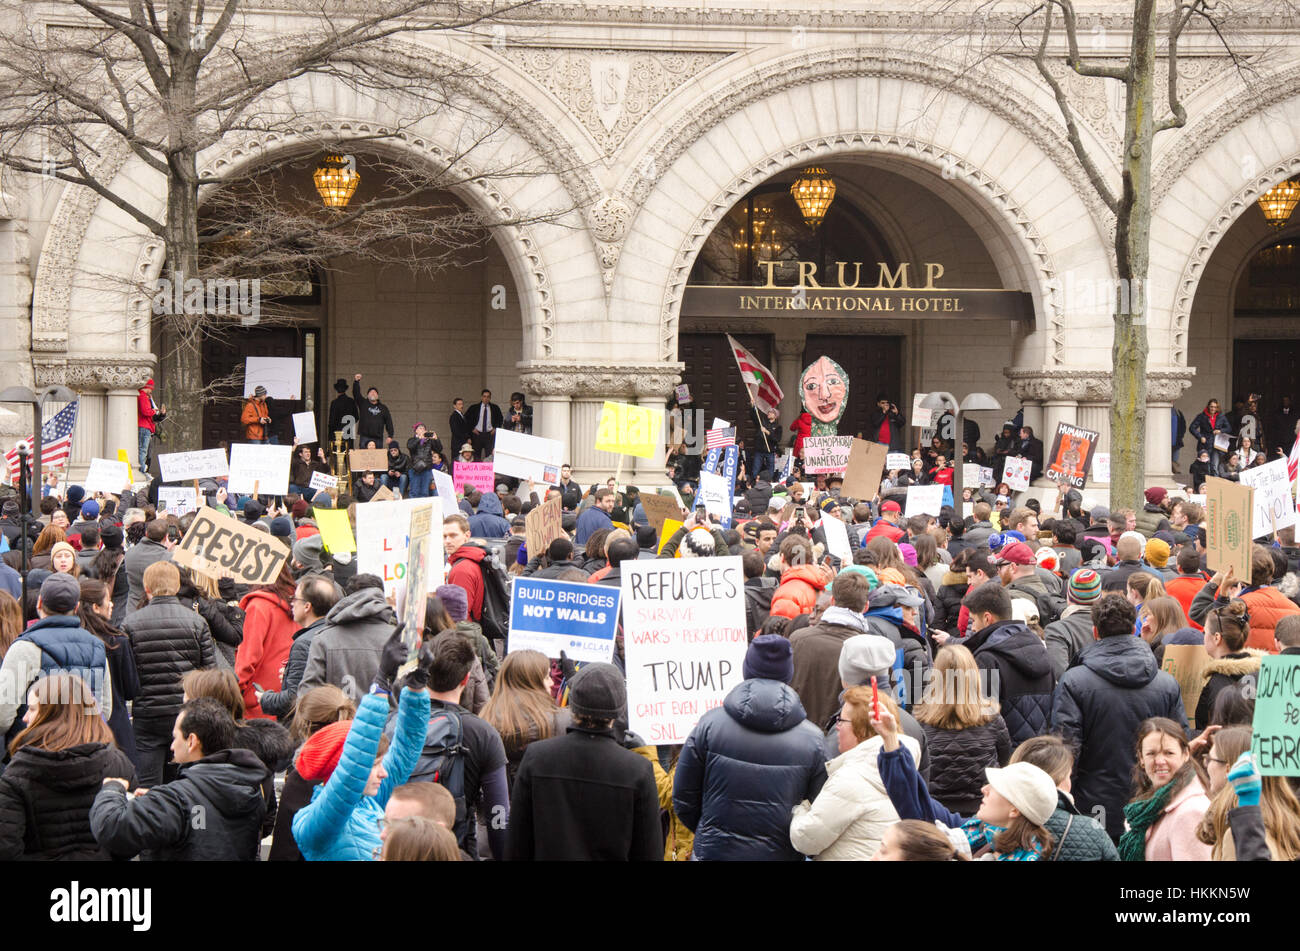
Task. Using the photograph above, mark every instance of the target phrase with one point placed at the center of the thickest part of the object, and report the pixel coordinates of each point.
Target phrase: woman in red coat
(268, 634)
(801, 427)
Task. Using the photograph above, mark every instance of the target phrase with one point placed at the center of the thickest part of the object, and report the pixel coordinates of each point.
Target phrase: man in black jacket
(570, 491)
(485, 419)
(1017, 656)
(888, 425)
(459, 425)
(519, 418)
(212, 811)
(341, 407)
(1101, 701)
(1031, 448)
(374, 422)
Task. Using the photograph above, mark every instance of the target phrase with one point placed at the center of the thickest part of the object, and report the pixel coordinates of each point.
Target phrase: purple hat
(909, 554)
(455, 600)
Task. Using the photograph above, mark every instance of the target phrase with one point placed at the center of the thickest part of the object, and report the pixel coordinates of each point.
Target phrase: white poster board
(445, 489)
(383, 537)
(921, 417)
(322, 482)
(282, 376)
(1222, 442)
(528, 457)
(178, 500)
(258, 465)
(923, 500)
(1016, 473)
(304, 427)
(109, 476)
(715, 494)
(986, 475)
(684, 641)
(720, 423)
(970, 474)
(826, 454)
(188, 466)
(1101, 467)
(837, 539)
(898, 460)
(1274, 506)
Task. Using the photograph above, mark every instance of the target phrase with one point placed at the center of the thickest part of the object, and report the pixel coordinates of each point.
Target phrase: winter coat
(1068, 636)
(1097, 708)
(1117, 578)
(1076, 837)
(54, 644)
(582, 797)
(225, 788)
(1033, 589)
(958, 759)
(422, 451)
(294, 795)
(45, 799)
(1266, 605)
(744, 767)
(1184, 589)
(817, 660)
(802, 429)
(345, 649)
(268, 635)
(888, 622)
(169, 640)
(798, 590)
(279, 703)
(341, 406)
(272, 744)
(553, 570)
(225, 623)
(758, 603)
(464, 568)
(589, 523)
(1223, 672)
(489, 521)
(1172, 837)
(849, 817)
(139, 558)
(1151, 519)
(1202, 430)
(300, 472)
(948, 596)
(251, 417)
(1025, 678)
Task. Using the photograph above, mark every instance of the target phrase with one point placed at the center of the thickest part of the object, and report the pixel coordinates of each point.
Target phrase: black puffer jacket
(947, 600)
(225, 623)
(744, 768)
(958, 759)
(45, 801)
(169, 641)
(422, 451)
(1024, 676)
(1098, 706)
(273, 745)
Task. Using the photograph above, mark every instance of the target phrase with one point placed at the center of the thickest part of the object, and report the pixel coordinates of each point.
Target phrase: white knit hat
(1027, 788)
(698, 543)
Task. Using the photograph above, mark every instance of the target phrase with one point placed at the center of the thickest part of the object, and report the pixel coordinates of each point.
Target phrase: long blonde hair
(1278, 805)
(520, 700)
(954, 699)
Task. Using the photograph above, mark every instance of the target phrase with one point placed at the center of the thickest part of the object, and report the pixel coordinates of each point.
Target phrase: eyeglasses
(839, 720)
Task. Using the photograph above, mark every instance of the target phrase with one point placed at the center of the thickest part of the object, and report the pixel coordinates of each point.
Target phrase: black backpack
(496, 596)
(443, 759)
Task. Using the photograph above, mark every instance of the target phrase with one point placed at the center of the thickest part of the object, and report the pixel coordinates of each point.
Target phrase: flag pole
(748, 392)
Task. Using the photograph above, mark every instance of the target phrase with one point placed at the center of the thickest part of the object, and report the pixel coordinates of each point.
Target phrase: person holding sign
(1206, 429)
(422, 447)
(302, 466)
(148, 416)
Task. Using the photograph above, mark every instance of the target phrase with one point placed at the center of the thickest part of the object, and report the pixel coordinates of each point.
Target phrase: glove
(1245, 780)
(394, 656)
(521, 557)
(418, 678)
(567, 667)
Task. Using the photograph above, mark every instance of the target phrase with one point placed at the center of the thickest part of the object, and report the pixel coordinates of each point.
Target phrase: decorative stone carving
(599, 379)
(609, 219)
(107, 371)
(1091, 385)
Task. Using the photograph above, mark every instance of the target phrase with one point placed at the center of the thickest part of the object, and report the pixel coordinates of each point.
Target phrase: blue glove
(1245, 780)
(521, 556)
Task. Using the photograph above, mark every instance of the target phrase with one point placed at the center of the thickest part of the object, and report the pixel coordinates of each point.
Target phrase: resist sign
(554, 616)
(684, 637)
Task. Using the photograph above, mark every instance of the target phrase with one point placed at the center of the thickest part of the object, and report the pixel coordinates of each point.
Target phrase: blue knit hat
(769, 658)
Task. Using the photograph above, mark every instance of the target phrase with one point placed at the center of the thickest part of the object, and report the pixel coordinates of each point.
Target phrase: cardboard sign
(1275, 739)
(477, 474)
(445, 489)
(383, 543)
(304, 427)
(108, 476)
(1273, 506)
(684, 639)
(898, 460)
(282, 376)
(921, 418)
(923, 500)
(419, 553)
(260, 468)
(178, 500)
(543, 525)
(368, 460)
(335, 530)
(187, 466)
(1187, 662)
(528, 457)
(1229, 515)
(552, 616)
(826, 453)
(625, 428)
(322, 482)
(1071, 455)
(1101, 467)
(837, 539)
(715, 495)
(659, 508)
(1016, 473)
(223, 547)
(385, 494)
(864, 469)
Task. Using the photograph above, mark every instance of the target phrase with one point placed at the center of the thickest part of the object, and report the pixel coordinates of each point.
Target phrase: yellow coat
(680, 839)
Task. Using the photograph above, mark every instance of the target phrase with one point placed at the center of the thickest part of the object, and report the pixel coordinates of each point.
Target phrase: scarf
(838, 615)
(1141, 814)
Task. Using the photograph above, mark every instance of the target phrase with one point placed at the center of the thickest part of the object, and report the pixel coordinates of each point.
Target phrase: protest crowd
(1008, 675)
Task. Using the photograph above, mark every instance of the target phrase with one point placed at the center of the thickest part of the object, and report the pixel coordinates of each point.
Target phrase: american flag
(56, 441)
(763, 391)
(719, 438)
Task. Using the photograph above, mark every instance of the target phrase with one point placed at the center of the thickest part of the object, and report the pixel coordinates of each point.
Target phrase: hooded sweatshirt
(346, 649)
(1025, 678)
(489, 521)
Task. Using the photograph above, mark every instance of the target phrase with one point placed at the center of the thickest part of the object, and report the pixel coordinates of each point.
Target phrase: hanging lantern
(813, 192)
(336, 179)
(1279, 201)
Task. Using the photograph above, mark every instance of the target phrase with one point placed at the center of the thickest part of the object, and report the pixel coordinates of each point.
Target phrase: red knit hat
(320, 754)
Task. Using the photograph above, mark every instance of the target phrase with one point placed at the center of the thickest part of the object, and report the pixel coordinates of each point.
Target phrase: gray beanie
(864, 656)
(307, 551)
(597, 691)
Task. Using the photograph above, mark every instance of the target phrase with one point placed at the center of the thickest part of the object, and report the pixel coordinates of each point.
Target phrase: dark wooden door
(222, 357)
(873, 365)
(715, 383)
(1268, 367)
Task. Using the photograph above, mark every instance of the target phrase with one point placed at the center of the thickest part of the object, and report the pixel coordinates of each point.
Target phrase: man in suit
(485, 420)
(459, 425)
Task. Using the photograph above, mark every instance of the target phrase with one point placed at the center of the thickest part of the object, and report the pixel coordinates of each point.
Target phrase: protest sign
(1101, 468)
(630, 429)
(282, 376)
(658, 508)
(720, 423)
(684, 640)
(1273, 505)
(1275, 738)
(1222, 442)
(322, 481)
(1071, 455)
(445, 489)
(543, 525)
(368, 460)
(968, 510)
(177, 500)
(826, 453)
(898, 460)
(125, 459)
(552, 616)
(528, 457)
(304, 427)
(1229, 514)
(223, 547)
(1196, 499)
(187, 466)
(477, 474)
(259, 468)
(970, 474)
(419, 554)
(106, 475)
(715, 495)
(923, 500)
(837, 539)
(335, 530)
(1016, 473)
(382, 541)
(1186, 663)
(385, 494)
(683, 393)
(670, 526)
(921, 417)
(863, 471)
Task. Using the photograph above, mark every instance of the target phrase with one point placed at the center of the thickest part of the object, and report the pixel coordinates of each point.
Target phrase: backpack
(496, 596)
(443, 759)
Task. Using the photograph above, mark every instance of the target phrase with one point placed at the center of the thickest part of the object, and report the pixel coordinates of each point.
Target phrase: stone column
(107, 385)
(1164, 386)
(789, 360)
(120, 430)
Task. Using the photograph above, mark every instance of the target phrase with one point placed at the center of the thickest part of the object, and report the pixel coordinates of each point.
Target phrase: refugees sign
(552, 616)
(322, 482)
(477, 474)
(826, 453)
(187, 466)
(1273, 506)
(383, 541)
(684, 639)
(1275, 739)
(223, 547)
(1071, 455)
(257, 468)
(898, 460)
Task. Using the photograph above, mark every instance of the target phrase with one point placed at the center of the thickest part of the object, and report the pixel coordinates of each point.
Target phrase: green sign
(1276, 740)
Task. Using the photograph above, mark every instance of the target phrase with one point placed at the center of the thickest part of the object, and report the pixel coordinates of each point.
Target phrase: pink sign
(477, 474)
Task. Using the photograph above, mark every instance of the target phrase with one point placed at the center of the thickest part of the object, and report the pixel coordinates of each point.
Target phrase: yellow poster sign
(335, 530)
(628, 429)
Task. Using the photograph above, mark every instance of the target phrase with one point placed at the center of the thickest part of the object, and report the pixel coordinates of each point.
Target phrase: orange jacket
(268, 634)
(254, 411)
(1184, 589)
(797, 592)
(1267, 606)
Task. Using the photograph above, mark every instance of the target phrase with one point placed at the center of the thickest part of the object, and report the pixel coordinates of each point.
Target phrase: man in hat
(256, 417)
(1017, 570)
(147, 417)
(584, 796)
(341, 408)
(1073, 632)
(891, 513)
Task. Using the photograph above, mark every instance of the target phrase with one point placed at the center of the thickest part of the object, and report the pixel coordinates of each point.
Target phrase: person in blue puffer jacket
(341, 823)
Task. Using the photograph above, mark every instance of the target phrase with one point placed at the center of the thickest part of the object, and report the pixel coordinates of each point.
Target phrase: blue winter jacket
(744, 768)
(340, 824)
(489, 522)
(589, 523)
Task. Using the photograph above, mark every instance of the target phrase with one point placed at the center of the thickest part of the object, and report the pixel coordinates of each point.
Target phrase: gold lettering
(806, 271)
(817, 303)
(933, 271)
(893, 280)
(889, 303)
(907, 304)
(922, 303)
(947, 304)
(957, 301)
(771, 266)
(857, 273)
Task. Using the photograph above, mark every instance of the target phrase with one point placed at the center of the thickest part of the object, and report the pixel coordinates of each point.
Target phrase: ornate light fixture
(1279, 201)
(813, 192)
(336, 179)
(762, 242)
